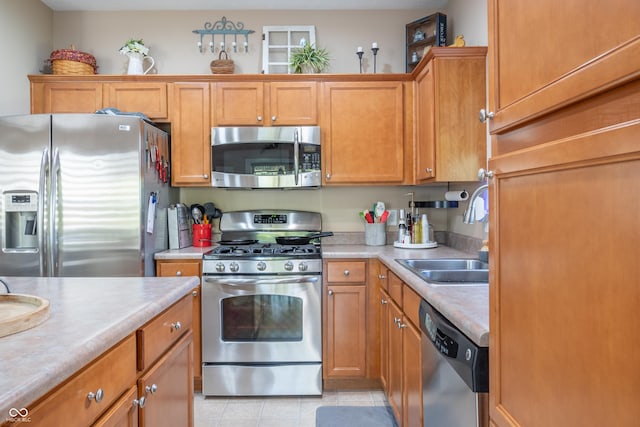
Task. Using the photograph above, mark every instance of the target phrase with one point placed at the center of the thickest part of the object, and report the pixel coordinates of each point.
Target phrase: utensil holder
(201, 235)
(375, 234)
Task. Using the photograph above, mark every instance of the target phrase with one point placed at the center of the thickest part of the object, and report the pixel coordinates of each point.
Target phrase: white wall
(26, 28)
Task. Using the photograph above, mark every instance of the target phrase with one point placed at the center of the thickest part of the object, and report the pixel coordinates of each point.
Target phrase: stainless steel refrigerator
(82, 195)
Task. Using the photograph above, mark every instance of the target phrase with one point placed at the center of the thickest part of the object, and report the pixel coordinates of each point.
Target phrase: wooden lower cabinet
(401, 351)
(189, 267)
(123, 413)
(167, 388)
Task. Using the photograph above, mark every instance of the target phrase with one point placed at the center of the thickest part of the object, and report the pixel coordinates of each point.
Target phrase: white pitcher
(135, 63)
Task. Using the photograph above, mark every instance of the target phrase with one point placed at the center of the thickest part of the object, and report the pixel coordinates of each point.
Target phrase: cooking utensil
(301, 240)
(197, 212)
(237, 242)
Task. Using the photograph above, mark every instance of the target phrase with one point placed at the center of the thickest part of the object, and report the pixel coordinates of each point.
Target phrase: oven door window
(258, 318)
(264, 158)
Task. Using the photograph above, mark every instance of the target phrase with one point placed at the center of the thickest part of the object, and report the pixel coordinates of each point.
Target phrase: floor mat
(355, 416)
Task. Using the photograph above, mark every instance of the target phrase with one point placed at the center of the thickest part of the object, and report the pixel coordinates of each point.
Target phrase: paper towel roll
(456, 195)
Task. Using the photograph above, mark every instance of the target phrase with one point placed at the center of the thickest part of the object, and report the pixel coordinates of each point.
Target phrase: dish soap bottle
(402, 228)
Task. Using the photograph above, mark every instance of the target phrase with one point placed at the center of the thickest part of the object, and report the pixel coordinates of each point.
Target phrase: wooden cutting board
(19, 312)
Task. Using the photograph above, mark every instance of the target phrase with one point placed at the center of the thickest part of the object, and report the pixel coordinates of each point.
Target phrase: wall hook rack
(223, 28)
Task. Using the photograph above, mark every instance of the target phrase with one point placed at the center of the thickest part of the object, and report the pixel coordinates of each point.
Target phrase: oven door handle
(249, 283)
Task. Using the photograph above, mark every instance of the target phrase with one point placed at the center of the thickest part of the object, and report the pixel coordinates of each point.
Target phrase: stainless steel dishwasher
(455, 374)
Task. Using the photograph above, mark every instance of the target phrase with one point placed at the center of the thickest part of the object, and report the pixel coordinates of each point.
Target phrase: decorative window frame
(278, 42)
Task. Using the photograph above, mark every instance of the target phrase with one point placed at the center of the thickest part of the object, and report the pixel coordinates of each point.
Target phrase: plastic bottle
(409, 238)
(402, 227)
(417, 228)
(424, 222)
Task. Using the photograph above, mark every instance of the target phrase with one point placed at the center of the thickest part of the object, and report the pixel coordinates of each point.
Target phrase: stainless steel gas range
(261, 306)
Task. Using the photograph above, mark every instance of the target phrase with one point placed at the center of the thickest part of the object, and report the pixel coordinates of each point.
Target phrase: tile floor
(275, 411)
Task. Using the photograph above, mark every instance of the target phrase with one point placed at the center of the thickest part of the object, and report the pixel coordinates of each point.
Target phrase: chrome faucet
(469, 216)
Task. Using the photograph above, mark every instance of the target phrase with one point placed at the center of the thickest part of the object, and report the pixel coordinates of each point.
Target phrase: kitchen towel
(456, 196)
(355, 416)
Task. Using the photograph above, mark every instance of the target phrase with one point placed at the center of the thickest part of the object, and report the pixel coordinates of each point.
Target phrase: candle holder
(360, 53)
(375, 53)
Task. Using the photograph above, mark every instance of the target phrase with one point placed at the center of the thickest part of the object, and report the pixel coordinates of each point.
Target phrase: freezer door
(97, 197)
(24, 160)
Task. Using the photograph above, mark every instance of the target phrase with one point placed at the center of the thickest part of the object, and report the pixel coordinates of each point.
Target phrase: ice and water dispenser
(20, 213)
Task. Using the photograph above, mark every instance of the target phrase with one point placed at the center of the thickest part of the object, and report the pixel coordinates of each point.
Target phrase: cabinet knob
(205, 176)
(484, 174)
(140, 402)
(178, 273)
(259, 118)
(328, 176)
(273, 118)
(151, 389)
(346, 273)
(383, 301)
(401, 325)
(194, 293)
(484, 115)
(177, 326)
(429, 170)
(97, 396)
(381, 276)
(330, 292)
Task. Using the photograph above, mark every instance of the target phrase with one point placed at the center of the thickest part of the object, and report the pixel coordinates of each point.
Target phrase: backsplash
(468, 244)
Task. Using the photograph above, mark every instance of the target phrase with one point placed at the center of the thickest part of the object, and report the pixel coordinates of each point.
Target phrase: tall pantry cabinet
(564, 222)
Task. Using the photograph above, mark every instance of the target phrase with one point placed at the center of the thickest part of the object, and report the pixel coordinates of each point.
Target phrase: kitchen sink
(449, 271)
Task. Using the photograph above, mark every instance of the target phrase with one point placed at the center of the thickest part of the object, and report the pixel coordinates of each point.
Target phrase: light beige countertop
(87, 317)
(466, 306)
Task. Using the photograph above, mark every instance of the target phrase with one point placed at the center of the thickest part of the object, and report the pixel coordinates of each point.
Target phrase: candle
(199, 45)
(233, 44)
(360, 49)
(211, 44)
(374, 45)
(222, 45)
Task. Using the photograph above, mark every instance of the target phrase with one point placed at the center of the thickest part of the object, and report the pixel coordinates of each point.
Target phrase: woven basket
(70, 61)
(222, 66)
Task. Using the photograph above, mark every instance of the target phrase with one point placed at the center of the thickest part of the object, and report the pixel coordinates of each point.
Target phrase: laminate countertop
(87, 317)
(466, 306)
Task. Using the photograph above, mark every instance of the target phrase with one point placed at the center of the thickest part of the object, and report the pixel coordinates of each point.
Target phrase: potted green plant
(310, 59)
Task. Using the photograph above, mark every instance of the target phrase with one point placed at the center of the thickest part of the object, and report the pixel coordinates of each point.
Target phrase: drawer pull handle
(151, 389)
(97, 396)
(346, 273)
(176, 326)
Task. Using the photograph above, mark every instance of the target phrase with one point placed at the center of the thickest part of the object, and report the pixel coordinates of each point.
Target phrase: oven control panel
(270, 219)
(264, 266)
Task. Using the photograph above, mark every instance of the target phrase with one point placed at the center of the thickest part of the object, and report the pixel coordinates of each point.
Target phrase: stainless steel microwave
(265, 157)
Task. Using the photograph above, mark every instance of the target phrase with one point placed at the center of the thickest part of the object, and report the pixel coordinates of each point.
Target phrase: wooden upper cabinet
(66, 97)
(264, 103)
(147, 98)
(190, 134)
(363, 132)
(546, 54)
(451, 142)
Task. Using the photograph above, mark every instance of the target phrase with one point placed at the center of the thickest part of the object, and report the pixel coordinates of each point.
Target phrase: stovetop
(263, 250)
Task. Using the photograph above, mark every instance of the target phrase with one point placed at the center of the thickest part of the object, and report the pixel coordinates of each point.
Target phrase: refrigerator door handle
(55, 177)
(40, 224)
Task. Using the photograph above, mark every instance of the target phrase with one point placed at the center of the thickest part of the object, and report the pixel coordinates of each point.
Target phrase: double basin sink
(449, 271)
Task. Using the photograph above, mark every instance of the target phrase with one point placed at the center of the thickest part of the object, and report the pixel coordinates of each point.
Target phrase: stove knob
(288, 266)
(303, 266)
(219, 267)
(262, 266)
(234, 267)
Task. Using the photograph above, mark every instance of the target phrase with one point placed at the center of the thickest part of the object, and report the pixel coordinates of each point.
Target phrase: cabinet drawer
(110, 376)
(157, 336)
(124, 413)
(395, 288)
(411, 304)
(346, 271)
(171, 269)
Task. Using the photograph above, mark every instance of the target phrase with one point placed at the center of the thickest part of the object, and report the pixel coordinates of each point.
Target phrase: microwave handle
(296, 153)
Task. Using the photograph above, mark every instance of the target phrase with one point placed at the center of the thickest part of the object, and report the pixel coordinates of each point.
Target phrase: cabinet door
(190, 134)
(147, 98)
(167, 388)
(526, 85)
(123, 413)
(565, 281)
(238, 104)
(394, 379)
(65, 97)
(411, 375)
(345, 331)
(293, 103)
(450, 91)
(363, 132)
